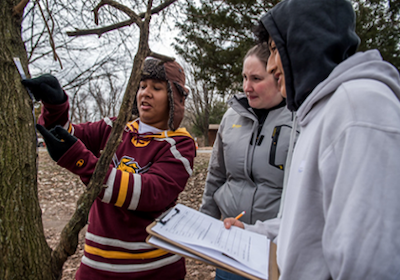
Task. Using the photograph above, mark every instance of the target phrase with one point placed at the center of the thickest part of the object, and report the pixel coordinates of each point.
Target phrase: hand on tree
(58, 140)
(46, 88)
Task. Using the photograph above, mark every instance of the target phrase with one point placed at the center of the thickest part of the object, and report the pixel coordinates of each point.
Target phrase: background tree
(80, 62)
(203, 107)
(24, 251)
(107, 95)
(378, 25)
(215, 36)
(75, 62)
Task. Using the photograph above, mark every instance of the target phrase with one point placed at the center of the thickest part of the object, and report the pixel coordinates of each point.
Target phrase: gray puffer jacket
(246, 168)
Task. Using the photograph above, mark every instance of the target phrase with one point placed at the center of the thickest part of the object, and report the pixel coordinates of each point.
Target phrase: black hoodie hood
(312, 37)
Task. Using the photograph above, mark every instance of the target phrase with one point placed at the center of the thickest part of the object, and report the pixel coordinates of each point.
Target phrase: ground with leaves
(59, 191)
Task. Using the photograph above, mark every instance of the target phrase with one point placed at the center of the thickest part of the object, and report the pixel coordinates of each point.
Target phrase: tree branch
(134, 17)
(19, 8)
(100, 31)
(69, 235)
(53, 47)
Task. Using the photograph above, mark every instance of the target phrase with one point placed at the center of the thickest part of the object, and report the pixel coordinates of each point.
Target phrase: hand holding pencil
(228, 222)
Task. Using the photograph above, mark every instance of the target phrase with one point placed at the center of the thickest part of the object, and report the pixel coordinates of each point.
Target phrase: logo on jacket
(140, 141)
(236, 125)
(80, 163)
(129, 164)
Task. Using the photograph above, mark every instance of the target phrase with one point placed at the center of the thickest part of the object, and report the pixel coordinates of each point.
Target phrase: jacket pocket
(226, 201)
(279, 146)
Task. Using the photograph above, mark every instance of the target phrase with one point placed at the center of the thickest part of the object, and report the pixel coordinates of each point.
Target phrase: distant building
(212, 133)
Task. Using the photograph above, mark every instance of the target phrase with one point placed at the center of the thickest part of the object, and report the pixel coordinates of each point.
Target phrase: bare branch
(53, 47)
(118, 6)
(159, 8)
(100, 31)
(19, 8)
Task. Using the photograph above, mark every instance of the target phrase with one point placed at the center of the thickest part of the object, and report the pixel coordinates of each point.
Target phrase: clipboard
(163, 240)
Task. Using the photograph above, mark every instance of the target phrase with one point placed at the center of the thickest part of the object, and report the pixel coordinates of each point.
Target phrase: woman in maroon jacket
(150, 168)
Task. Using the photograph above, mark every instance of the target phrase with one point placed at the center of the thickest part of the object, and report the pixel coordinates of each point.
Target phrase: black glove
(46, 88)
(58, 140)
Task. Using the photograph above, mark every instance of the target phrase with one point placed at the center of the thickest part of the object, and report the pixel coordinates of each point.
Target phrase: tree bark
(24, 253)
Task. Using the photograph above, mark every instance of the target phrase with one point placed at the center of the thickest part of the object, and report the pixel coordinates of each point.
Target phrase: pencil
(240, 215)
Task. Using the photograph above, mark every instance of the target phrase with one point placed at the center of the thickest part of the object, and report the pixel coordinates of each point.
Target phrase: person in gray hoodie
(247, 164)
(340, 216)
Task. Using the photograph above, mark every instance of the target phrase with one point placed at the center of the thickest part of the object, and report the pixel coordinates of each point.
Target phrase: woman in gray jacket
(247, 164)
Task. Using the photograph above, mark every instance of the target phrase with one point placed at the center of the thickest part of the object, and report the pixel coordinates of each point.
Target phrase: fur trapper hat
(173, 74)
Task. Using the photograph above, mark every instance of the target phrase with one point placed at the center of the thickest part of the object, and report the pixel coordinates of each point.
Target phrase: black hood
(312, 37)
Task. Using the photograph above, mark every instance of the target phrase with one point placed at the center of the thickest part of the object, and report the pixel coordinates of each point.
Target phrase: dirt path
(59, 190)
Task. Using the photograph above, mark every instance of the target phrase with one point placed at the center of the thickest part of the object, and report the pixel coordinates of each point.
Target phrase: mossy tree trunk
(24, 253)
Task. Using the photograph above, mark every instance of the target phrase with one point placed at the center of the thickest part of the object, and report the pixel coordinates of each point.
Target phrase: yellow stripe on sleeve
(123, 255)
(123, 189)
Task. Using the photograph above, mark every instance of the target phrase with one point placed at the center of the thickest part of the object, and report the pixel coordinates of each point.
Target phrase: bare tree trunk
(206, 118)
(24, 253)
(69, 235)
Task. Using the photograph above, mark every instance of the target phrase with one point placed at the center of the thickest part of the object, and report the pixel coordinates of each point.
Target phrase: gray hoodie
(341, 210)
(340, 217)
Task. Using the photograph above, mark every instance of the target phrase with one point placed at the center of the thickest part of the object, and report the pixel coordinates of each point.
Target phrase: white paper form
(209, 236)
(168, 246)
(222, 258)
